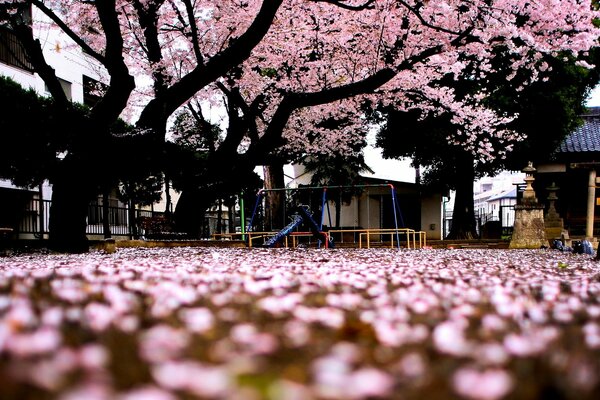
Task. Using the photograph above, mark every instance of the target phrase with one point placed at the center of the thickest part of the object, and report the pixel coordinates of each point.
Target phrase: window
(92, 91)
(12, 51)
(66, 87)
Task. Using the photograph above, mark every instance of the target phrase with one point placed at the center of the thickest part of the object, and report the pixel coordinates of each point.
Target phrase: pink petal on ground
(99, 316)
(198, 320)
(147, 393)
(93, 356)
(487, 385)
(412, 365)
(449, 338)
(44, 340)
(194, 377)
(370, 382)
(162, 342)
(88, 391)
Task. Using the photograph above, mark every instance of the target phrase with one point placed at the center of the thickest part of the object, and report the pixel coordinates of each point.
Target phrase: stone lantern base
(529, 231)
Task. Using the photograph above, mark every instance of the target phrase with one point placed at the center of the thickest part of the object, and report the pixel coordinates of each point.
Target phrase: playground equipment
(303, 215)
(413, 238)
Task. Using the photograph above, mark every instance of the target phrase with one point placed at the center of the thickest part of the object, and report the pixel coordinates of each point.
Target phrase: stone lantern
(529, 193)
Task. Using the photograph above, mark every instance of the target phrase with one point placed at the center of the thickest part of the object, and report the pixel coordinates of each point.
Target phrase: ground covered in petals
(300, 324)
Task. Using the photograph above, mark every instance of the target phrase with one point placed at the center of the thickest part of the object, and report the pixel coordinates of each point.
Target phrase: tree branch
(236, 98)
(368, 4)
(194, 28)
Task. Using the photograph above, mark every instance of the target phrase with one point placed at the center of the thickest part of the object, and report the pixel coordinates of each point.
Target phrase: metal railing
(35, 219)
(410, 238)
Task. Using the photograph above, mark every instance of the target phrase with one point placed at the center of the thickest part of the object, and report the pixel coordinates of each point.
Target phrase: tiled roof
(507, 194)
(586, 138)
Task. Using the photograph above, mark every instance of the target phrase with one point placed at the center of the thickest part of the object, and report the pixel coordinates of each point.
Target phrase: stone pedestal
(529, 231)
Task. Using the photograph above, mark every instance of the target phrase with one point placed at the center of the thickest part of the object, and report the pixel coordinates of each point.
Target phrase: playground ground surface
(239, 323)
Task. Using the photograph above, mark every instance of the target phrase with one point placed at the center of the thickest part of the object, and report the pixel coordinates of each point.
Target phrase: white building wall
(431, 216)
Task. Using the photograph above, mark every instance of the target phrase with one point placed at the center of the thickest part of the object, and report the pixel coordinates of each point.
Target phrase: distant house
(495, 197)
(573, 168)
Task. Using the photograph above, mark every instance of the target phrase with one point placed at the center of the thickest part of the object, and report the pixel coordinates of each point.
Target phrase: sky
(594, 99)
(397, 170)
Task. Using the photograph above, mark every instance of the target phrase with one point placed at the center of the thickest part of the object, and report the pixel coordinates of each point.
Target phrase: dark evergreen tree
(546, 111)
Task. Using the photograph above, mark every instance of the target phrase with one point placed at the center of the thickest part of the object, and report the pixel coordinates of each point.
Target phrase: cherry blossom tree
(282, 65)
(329, 62)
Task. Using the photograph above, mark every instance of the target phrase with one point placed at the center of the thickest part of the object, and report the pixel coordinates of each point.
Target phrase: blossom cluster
(303, 324)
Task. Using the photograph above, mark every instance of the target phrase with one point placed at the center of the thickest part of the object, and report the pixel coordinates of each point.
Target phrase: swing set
(301, 215)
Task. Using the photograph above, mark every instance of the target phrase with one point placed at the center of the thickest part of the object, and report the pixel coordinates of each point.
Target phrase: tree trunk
(275, 200)
(133, 228)
(220, 217)
(68, 217)
(231, 214)
(190, 211)
(168, 201)
(463, 216)
(106, 215)
(338, 213)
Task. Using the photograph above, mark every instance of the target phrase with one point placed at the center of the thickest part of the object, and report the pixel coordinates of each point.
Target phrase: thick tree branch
(121, 82)
(249, 111)
(203, 75)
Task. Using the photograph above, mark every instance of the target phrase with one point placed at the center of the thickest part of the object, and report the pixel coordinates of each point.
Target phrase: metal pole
(393, 189)
(242, 216)
(258, 199)
(323, 200)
